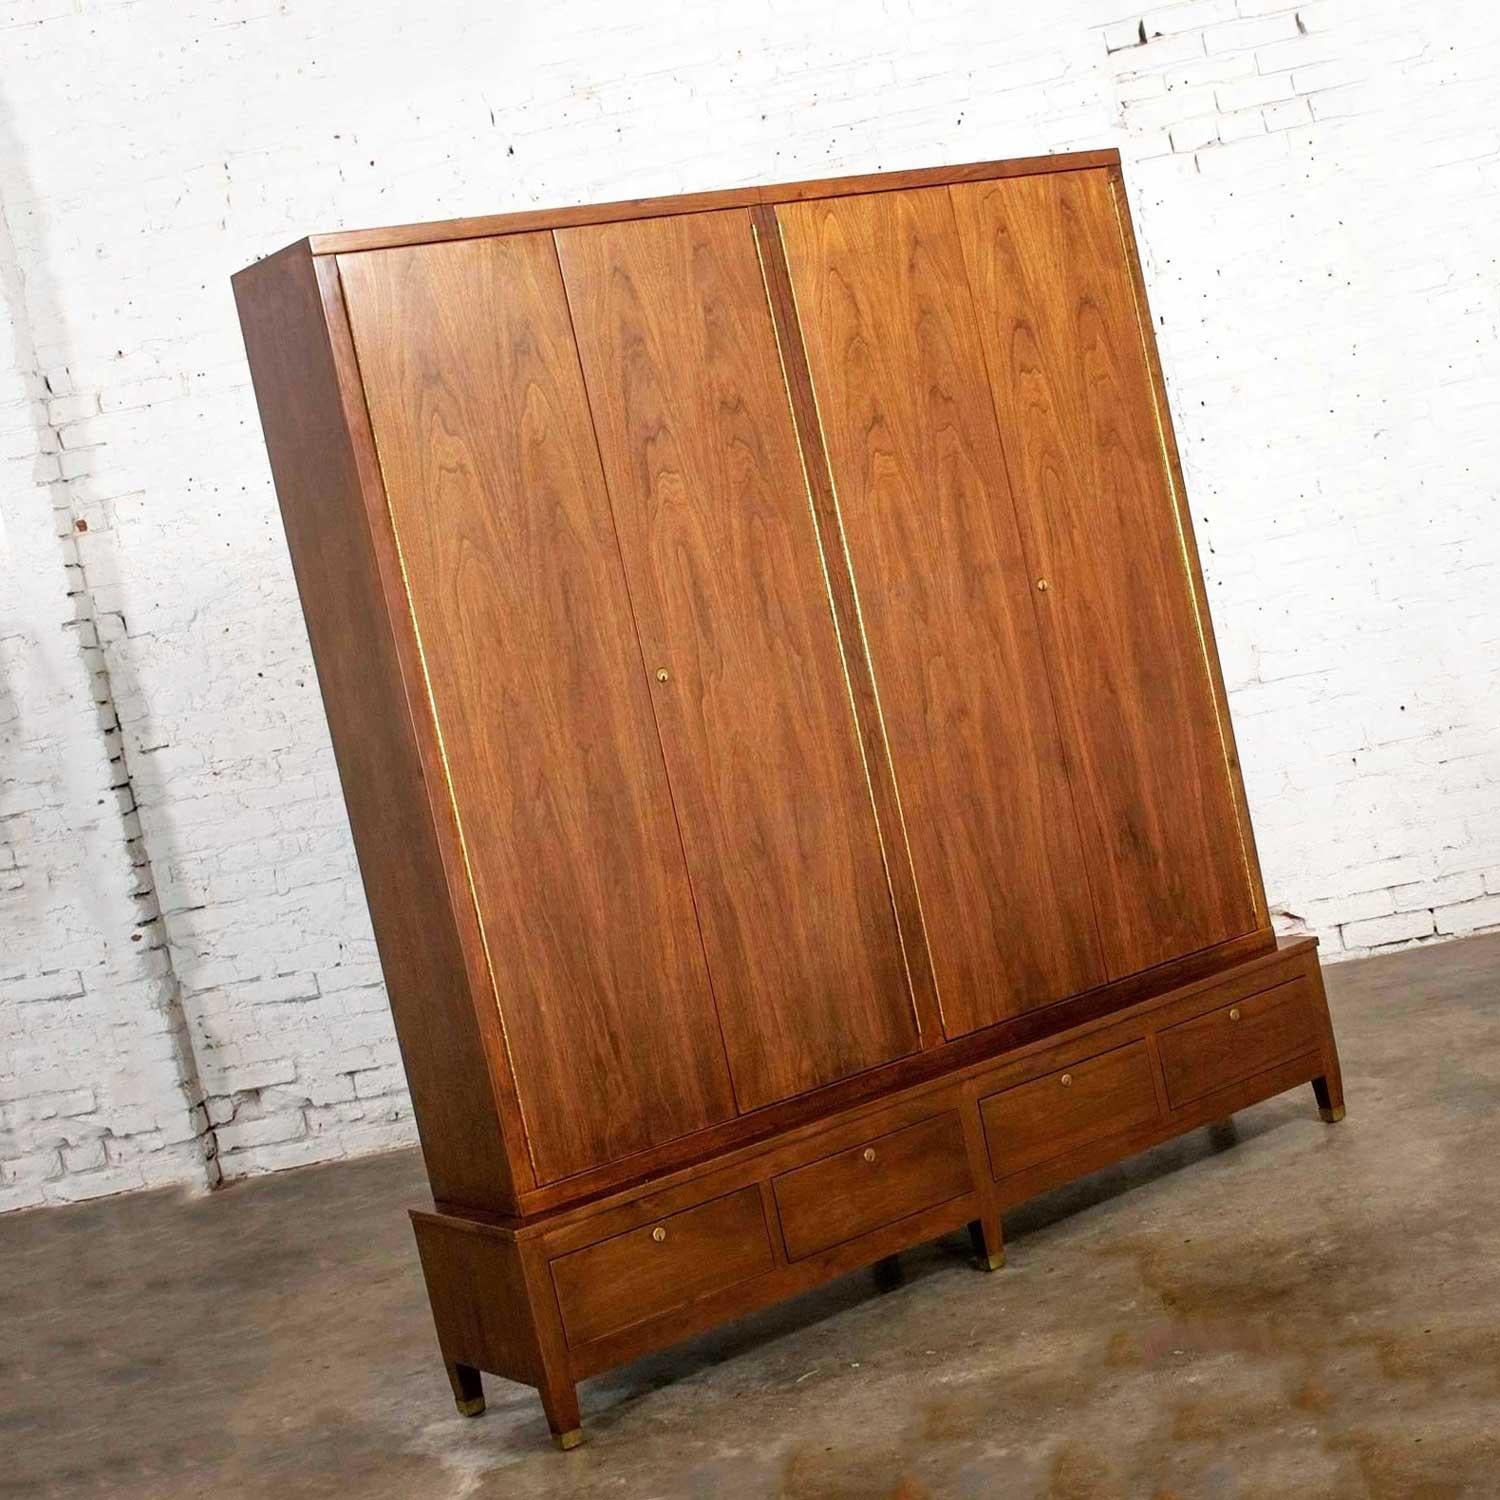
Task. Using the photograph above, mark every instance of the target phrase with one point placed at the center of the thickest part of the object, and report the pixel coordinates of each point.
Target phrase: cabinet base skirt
(551, 1301)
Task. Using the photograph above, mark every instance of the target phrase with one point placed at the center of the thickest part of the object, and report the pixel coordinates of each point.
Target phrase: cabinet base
(552, 1300)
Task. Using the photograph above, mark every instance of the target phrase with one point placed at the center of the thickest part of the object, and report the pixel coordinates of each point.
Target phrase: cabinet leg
(1329, 1090)
(560, 1402)
(989, 1245)
(468, 1392)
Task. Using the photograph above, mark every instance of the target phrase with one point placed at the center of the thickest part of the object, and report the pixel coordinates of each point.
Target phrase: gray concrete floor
(1270, 1307)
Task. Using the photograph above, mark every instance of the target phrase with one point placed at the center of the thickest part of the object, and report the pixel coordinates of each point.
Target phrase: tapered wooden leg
(560, 1402)
(1329, 1090)
(989, 1245)
(888, 1273)
(468, 1391)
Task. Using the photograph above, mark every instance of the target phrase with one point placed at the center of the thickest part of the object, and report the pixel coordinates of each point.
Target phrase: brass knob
(1234, 1014)
(1043, 585)
(661, 674)
(869, 1153)
(658, 1234)
(1066, 1080)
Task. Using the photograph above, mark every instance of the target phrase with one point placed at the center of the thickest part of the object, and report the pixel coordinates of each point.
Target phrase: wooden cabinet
(769, 671)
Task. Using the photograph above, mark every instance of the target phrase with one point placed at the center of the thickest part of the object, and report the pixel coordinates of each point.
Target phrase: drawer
(658, 1267)
(1053, 1115)
(1237, 1041)
(876, 1182)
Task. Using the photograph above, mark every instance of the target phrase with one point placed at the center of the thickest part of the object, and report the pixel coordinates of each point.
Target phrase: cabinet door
(714, 519)
(545, 721)
(1127, 637)
(945, 599)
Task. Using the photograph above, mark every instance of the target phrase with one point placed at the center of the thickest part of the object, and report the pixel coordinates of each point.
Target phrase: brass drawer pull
(869, 1153)
(1234, 1013)
(1066, 1080)
(659, 1234)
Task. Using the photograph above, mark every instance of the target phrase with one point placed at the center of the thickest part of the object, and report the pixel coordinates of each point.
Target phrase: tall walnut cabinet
(774, 694)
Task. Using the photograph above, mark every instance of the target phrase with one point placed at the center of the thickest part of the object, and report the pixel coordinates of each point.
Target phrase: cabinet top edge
(346, 241)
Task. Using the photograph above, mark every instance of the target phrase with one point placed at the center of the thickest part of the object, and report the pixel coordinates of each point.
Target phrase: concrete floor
(1272, 1307)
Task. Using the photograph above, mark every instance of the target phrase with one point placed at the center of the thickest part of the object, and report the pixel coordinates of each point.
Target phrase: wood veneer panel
(521, 609)
(756, 721)
(945, 600)
(1126, 639)
(333, 510)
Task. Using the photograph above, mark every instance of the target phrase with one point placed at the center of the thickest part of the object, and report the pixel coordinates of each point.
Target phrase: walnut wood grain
(1239, 1040)
(840, 583)
(1091, 1098)
(756, 723)
(1189, 545)
(632, 1277)
(521, 609)
(1015, 1032)
(1127, 654)
(872, 1183)
(945, 601)
(333, 509)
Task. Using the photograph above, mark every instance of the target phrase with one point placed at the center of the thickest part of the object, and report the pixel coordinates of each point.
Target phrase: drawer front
(635, 1276)
(1050, 1116)
(1237, 1041)
(874, 1183)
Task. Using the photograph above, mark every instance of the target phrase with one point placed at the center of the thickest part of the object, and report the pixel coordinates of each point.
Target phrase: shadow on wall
(48, 618)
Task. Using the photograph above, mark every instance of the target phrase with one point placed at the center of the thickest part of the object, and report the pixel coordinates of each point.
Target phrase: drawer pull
(1234, 1014)
(869, 1153)
(1066, 1080)
(659, 1234)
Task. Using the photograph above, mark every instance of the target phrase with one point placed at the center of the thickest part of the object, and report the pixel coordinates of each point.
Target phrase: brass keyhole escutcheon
(869, 1153)
(1066, 1080)
(658, 1234)
(661, 674)
(1234, 1015)
(1043, 585)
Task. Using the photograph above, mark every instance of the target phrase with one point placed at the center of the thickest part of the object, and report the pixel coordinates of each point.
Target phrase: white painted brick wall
(1315, 188)
(92, 1096)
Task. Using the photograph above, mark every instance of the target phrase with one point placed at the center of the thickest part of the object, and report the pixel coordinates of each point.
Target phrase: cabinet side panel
(1130, 659)
(328, 528)
(945, 599)
(539, 693)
